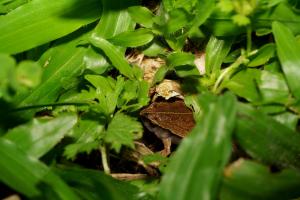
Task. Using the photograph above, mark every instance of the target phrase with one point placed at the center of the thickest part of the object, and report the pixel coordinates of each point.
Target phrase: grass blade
(288, 52)
(134, 38)
(247, 180)
(64, 62)
(33, 173)
(40, 136)
(28, 26)
(207, 149)
(96, 185)
(115, 56)
(262, 138)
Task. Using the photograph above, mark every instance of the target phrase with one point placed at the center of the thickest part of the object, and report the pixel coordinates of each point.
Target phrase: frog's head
(168, 89)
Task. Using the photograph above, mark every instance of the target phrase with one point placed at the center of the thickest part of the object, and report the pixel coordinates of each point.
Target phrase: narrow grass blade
(114, 55)
(288, 52)
(41, 21)
(14, 161)
(265, 139)
(247, 180)
(40, 136)
(196, 169)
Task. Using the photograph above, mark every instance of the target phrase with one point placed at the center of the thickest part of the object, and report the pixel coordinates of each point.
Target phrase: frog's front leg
(167, 146)
(162, 134)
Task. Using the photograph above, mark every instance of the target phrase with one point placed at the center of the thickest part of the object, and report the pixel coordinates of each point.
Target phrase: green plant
(68, 94)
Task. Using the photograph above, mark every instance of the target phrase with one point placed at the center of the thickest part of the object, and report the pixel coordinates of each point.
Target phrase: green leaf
(244, 84)
(215, 53)
(262, 56)
(63, 63)
(34, 172)
(288, 119)
(29, 74)
(114, 55)
(160, 74)
(40, 136)
(87, 134)
(283, 13)
(155, 49)
(134, 38)
(273, 88)
(7, 72)
(122, 130)
(183, 63)
(262, 137)
(208, 148)
(115, 18)
(180, 58)
(25, 27)
(247, 180)
(95, 185)
(141, 15)
(107, 92)
(288, 53)
(177, 19)
(7, 6)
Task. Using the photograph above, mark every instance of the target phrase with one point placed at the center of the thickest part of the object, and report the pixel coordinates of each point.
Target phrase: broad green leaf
(29, 74)
(7, 71)
(7, 6)
(87, 134)
(95, 61)
(208, 149)
(183, 63)
(114, 55)
(155, 49)
(273, 88)
(283, 13)
(288, 53)
(180, 58)
(248, 180)
(177, 19)
(141, 15)
(63, 63)
(215, 53)
(134, 38)
(263, 55)
(41, 135)
(271, 109)
(13, 161)
(263, 137)
(220, 24)
(203, 10)
(115, 18)
(122, 130)
(25, 27)
(160, 74)
(95, 185)
(288, 119)
(244, 85)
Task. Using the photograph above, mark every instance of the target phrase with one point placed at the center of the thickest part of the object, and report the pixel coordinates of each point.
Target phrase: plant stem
(227, 73)
(104, 159)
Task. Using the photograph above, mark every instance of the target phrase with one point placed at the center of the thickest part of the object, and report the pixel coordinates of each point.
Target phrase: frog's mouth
(160, 132)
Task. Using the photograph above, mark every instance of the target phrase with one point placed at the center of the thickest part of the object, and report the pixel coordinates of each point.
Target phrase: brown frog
(169, 121)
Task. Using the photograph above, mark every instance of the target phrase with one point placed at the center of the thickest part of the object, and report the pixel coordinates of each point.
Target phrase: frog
(168, 89)
(169, 121)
